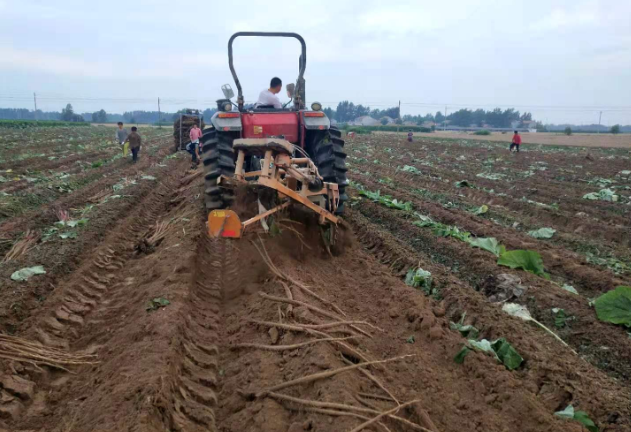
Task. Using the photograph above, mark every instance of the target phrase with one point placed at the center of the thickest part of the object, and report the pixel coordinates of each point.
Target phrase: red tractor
(312, 142)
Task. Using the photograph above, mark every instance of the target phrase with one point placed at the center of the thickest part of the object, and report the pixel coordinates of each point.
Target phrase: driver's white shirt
(268, 98)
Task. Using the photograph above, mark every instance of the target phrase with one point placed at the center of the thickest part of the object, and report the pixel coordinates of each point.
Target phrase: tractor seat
(258, 146)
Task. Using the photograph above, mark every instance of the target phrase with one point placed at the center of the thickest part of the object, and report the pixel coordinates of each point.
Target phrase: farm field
(547, 138)
(141, 322)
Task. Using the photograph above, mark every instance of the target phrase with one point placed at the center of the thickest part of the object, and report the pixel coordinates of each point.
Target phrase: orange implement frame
(290, 177)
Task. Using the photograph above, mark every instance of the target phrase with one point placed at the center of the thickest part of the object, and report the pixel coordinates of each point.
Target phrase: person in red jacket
(516, 142)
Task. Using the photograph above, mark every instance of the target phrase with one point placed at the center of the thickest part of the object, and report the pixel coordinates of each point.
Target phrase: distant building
(409, 123)
(365, 121)
(390, 120)
(531, 125)
(428, 124)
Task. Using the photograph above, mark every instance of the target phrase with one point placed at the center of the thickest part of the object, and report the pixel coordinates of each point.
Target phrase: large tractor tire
(327, 152)
(218, 159)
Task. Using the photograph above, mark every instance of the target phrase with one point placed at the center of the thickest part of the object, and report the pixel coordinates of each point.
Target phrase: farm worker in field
(121, 136)
(268, 97)
(193, 147)
(516, 142)
(410, 135)
(134, 141)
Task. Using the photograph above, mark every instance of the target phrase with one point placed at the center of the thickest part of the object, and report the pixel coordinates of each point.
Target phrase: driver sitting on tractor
(268, 97)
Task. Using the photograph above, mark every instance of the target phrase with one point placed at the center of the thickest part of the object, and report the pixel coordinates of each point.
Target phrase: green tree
(462, 117)
(99, 116)
(330, 113)
(67, 114)
(384, 121)
(439, 117)
(615, 129)
(568, 131)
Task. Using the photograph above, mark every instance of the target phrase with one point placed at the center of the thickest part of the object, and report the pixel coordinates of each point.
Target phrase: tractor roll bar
(302, 61)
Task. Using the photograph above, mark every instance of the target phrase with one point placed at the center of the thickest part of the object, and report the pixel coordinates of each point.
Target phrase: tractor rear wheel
(327, 152)
(218, 159)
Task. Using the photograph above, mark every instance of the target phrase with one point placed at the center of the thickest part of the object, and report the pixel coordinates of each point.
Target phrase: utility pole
(399, 116)
(159, 115)
(35, 102)
(445, 121)
(600, 116)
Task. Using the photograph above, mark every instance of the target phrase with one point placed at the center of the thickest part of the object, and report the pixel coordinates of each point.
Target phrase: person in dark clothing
(410, 135)
(135, 141)
(516, 142)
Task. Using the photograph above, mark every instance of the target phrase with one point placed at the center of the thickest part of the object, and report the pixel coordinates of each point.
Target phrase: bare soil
(180, 332)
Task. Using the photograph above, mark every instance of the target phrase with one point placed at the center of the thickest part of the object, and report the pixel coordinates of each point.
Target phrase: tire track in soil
(174, 368)
(61, 257)
(93, 311)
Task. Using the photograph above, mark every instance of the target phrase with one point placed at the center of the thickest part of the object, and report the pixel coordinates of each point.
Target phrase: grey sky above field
(562, 60)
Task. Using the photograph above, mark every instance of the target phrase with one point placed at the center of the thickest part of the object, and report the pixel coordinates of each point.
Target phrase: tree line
(101, 116)
(347, 111)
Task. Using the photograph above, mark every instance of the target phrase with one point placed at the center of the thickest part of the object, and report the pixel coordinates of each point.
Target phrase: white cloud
(37, 61)
(560, 18)
(486, 52)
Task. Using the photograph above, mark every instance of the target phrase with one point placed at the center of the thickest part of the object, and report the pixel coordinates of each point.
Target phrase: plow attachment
(295, 180)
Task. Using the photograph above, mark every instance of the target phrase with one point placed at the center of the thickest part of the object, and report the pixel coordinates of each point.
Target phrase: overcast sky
(562, 60)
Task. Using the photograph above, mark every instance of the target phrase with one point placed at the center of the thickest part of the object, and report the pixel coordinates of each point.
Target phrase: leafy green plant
(451, 231)
(526, 260)
(468, 330)
(603, 195)
(542, 233)
(419, 278)
(462, 183)
(489, 244)
(615, 306)
(25, 273)
(386, 200)
(560, 318)
(157, 303)
(482, 132)
(522, 312)
(411, 169)
(481, 210)
(97, 164)
(615, 265)
(491, 176)
(580, 416)
(71, 223)
(500, 349)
